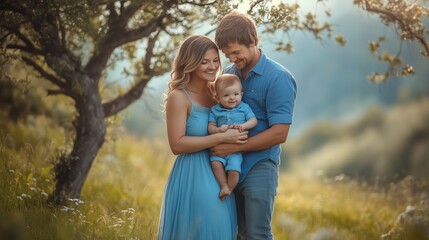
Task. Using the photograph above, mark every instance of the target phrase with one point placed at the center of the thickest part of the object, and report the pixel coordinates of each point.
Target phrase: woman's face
(209, 66)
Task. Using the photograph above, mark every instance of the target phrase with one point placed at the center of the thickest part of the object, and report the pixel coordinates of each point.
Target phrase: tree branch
(25, 49)
(53, 79)
(22, 37)
(57, 92)
(199, 4)
(402, 24)
(253, 5)
(61, 28)
(120, 103)
(117, 37)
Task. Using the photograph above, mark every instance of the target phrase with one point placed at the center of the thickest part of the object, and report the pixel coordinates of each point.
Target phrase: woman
(191, 208)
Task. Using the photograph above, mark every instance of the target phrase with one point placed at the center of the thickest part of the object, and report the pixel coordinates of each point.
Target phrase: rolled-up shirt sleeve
(280, 100)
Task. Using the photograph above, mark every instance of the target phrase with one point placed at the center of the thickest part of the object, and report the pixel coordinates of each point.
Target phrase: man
(270, 90)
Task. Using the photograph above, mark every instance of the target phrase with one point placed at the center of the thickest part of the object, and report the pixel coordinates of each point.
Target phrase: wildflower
(64, 209)
(11, 171)
(20, 198)
(44, 193)
(128, 211)
(25, 195)
(120, 221)
(76, 201)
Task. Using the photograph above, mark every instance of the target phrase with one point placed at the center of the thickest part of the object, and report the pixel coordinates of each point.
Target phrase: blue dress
(191, 208)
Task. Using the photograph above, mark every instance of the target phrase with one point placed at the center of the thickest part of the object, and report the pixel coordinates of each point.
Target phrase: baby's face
(230, 97)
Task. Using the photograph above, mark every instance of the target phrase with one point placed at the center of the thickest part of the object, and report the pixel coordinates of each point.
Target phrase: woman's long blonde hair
(188, 58)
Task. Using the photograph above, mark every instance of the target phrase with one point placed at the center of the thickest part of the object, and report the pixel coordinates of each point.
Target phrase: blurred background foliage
(354, 167)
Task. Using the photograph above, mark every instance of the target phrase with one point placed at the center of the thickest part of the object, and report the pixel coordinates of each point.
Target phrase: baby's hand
(240, 127)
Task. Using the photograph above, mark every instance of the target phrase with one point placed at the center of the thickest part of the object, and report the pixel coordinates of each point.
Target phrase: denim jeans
(255, 201)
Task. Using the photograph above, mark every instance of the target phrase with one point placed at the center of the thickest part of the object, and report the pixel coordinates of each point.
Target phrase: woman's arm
(276, 134)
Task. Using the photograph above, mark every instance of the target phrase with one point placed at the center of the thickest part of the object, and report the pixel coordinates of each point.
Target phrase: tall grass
(122, 195)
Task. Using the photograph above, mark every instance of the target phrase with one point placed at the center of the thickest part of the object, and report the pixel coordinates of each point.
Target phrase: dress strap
(187, 94)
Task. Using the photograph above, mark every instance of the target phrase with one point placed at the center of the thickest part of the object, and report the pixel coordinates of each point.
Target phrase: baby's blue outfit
(220, 115)
(191, 208)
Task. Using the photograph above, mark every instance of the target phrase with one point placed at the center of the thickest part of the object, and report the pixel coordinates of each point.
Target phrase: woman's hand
(235, 136)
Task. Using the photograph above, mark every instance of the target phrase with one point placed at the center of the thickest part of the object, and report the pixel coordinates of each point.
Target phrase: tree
(71, 44)
(410, 20)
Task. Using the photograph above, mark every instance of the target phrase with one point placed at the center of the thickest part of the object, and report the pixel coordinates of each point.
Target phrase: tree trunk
(72, 171)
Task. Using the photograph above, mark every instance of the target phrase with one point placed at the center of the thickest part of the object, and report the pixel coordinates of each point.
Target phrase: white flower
(64, 209)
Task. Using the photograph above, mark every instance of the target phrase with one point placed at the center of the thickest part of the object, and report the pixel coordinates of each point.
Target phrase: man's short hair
(236, 27)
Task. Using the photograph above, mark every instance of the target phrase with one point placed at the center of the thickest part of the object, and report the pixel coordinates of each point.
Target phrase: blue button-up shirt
(239, 114)
(270, 91)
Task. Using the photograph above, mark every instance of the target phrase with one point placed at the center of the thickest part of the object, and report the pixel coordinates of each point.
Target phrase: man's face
(242, 56)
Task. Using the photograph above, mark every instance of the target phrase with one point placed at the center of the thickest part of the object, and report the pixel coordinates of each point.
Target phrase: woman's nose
(213, 65)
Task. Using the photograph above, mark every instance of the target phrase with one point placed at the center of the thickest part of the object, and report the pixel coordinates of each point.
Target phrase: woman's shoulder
(178, 96)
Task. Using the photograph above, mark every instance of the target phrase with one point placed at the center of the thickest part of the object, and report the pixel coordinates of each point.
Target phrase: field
(122, 195)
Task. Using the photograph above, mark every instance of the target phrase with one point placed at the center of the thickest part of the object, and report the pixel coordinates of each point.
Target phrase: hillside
(381, 146)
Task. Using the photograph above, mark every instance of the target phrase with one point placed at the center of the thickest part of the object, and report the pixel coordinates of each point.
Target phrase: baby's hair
(226, 80)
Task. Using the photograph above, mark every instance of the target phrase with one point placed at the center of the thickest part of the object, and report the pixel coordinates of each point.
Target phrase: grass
(122, 195)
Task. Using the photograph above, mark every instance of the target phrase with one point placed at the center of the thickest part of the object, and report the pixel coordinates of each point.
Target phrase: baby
(230, 112)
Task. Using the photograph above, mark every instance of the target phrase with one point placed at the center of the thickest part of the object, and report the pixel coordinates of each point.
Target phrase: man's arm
(276, 134)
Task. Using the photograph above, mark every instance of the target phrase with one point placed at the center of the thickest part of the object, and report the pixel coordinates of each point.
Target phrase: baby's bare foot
(224, 192)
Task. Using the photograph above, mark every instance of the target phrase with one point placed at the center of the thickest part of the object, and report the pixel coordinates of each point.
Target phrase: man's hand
(224, 149)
